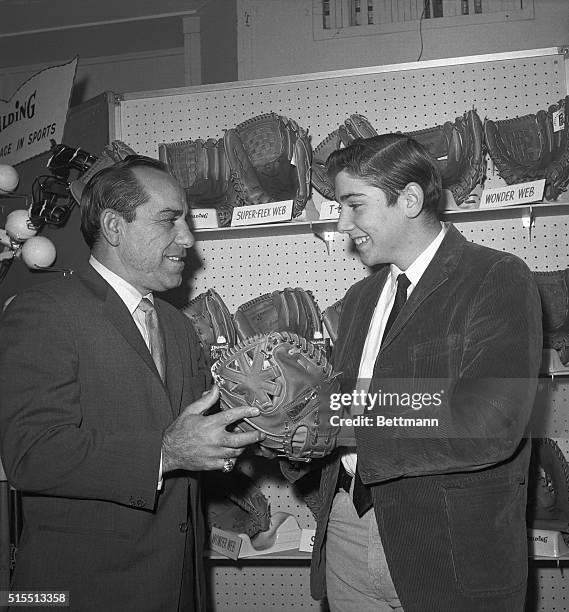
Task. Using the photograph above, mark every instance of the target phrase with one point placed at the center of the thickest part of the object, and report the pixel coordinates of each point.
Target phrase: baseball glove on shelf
(527, 148)
(281, 155)
(235, 503)
(211, 320)
(548, 487)
(202, 169)
(355, 126)
(554, 292)
(290, 380)
(459, 152)
(112, 153)
(293, 310)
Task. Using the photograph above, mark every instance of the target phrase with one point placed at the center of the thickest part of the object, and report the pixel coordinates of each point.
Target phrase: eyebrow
(168, 212)
(347, 196)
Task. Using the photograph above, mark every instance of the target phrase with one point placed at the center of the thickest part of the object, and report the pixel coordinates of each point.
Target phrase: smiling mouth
(175, 259)
(360, 241)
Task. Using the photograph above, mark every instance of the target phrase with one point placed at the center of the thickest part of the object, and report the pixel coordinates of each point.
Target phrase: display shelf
(320, 228)
(551, 364)
(515, 211)
(289, 228)
(292, 555)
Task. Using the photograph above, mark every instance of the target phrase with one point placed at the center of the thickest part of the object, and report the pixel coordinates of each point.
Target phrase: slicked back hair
(117, 188)
(390, 162)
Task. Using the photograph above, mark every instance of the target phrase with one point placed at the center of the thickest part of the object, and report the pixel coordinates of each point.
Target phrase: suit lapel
(437, 273)
(116, 312)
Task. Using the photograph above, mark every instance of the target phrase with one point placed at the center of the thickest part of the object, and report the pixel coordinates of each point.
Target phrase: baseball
(38, 252)
(8, 179)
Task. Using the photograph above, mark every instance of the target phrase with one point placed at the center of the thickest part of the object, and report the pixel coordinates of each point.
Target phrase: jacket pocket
(487, 529)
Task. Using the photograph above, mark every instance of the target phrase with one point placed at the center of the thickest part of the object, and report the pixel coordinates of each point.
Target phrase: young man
(102, 401)
(444, 360)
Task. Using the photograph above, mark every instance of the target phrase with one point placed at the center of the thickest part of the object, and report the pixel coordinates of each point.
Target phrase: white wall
(275, 38)
(158, 69)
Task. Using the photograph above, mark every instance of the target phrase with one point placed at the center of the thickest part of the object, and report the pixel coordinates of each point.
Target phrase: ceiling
(19, 17)
(39, 31)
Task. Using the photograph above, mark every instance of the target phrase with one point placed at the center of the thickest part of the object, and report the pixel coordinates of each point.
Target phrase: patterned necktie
(362, 495)
(156, 340)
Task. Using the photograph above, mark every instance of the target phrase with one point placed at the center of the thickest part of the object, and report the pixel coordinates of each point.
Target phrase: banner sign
(35, 114)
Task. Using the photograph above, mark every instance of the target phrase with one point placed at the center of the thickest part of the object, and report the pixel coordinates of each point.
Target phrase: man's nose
(185, 237)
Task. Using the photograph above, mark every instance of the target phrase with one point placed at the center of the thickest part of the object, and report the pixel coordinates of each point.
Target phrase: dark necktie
(156, 340)
(362, 494)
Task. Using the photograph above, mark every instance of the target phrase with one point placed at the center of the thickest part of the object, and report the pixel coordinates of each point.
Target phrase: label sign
(203, 218)
(329, 209)
(558, 120)
(35, 114)
(257, 214)
(307, 540)
(225, 543)
(520, 193)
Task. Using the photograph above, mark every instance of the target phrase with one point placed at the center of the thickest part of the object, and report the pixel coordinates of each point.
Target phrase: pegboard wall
(411, 97)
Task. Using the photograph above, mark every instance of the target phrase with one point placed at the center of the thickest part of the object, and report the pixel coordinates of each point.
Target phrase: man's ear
(411, 199)
(111, 226)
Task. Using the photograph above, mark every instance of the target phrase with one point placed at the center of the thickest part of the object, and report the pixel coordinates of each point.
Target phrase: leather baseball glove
(202, 169)
(355, 126)
(331, 319)
(527, 148)
(548, 487)
(211, 319)
(290, 380)
(235, 503)
(557, 175)
(458, 150)
(293, 310)
(554, 292)
(281, 155)
(112, 153)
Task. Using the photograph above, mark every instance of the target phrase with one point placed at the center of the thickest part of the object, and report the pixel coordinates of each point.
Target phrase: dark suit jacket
(449, 500)
(82, 413)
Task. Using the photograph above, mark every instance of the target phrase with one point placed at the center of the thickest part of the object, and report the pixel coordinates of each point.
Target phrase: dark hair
(115, 187)
(390, 162)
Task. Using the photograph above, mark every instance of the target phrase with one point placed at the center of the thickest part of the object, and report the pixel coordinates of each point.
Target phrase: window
(339, 18)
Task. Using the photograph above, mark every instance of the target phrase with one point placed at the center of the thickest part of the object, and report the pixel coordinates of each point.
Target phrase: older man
(102, 409)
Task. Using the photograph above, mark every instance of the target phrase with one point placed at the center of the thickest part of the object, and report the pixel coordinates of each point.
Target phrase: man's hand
(197, 442)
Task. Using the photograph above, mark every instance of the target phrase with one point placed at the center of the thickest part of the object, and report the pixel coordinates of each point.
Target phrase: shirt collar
(127, 293)
(421, 263)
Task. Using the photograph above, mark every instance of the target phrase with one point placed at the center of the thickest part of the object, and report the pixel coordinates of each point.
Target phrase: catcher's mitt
(290, 380)
(202, 169)
(527, 148)
(211, 319)
(554, 292)
(235, 503)
(458, 150)
(331, 319)
(355, 126)
(281, 155)
(548, 487)
(293, 310)
(112, 153)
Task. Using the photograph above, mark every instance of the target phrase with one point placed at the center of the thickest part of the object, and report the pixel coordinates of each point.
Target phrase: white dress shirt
(379, 320)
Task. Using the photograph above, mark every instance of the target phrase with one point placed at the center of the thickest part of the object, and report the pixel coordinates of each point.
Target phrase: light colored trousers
(357, 575)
